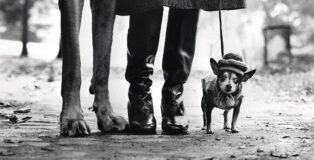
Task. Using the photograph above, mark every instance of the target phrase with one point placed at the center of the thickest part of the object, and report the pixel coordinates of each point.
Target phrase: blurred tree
(298, 14)
(59, 56)
(15, 17)
(25, 28)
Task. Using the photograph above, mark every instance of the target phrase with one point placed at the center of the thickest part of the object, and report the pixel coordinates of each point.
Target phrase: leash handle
(220, 27)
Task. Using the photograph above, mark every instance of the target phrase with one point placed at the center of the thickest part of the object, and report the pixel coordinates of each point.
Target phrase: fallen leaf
(232, 156)
(259, 150)
(13, 103)
(8, 141)
(50, 116)
(5, 115)
(286, 155)
(25, 119)
(22, 111)
(295, 155)
(304, 141)
(284, 137)
(51, 78)
(304, 129)
(303, 137)
(13, 119)
(6, 153)
(6, 104)
(242, 147)
(278, 154)
(47, 149)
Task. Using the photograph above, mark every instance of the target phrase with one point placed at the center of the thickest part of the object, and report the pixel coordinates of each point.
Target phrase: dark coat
(128, 7)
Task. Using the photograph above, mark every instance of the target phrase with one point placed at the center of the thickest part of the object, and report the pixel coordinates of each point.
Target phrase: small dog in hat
(225, 90)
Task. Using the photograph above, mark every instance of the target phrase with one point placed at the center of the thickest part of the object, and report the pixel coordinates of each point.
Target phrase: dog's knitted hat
(233, 62)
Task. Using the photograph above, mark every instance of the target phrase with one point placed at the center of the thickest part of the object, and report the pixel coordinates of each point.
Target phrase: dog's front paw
(209, 131)
(108, 122)
(233, 130)
(74, 128)
(119, 123)
(111, 123)
(72, 122)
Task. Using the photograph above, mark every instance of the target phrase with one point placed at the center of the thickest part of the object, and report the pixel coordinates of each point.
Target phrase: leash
(220, 27)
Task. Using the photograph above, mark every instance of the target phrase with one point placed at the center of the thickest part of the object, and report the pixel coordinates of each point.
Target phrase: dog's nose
(228, 86)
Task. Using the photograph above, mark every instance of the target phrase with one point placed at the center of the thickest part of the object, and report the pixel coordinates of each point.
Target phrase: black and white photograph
(157, 79)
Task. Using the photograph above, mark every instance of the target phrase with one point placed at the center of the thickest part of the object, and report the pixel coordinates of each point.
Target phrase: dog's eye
(223, 77)
(236, 80)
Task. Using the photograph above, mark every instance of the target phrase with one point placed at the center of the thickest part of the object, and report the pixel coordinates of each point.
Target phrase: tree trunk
(59, 56)
(25, 29)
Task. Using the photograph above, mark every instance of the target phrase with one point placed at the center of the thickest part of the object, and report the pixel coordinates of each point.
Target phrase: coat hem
(129, 7)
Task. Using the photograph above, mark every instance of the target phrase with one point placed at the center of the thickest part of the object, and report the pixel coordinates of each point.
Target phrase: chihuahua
(225, 90)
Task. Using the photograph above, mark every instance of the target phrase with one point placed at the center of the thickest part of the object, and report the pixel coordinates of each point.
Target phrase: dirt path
(270, 127)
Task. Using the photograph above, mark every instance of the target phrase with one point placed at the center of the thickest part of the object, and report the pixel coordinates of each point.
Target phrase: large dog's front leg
(71, 120)
(103, 16)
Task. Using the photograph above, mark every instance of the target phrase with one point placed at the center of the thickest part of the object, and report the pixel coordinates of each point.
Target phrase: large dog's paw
(109, 122)
(74, 128)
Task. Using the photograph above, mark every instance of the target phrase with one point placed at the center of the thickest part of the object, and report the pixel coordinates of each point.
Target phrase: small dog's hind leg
(103, 17)
(203, 105)
(204, 121)
(226, 126)
(209, 120)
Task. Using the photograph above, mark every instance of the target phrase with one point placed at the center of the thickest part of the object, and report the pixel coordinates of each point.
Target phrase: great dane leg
(71, 120)
(103, 16)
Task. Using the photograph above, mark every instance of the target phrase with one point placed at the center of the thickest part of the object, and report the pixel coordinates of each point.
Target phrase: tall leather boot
(143, 39)
(177, 62)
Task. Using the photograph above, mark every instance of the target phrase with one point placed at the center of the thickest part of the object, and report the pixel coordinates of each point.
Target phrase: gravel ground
(276, 119)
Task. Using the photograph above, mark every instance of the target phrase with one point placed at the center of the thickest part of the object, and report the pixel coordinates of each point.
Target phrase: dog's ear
(215, 66)
(248, 75)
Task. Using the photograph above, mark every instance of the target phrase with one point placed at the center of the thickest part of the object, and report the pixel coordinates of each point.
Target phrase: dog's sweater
(220, 99)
